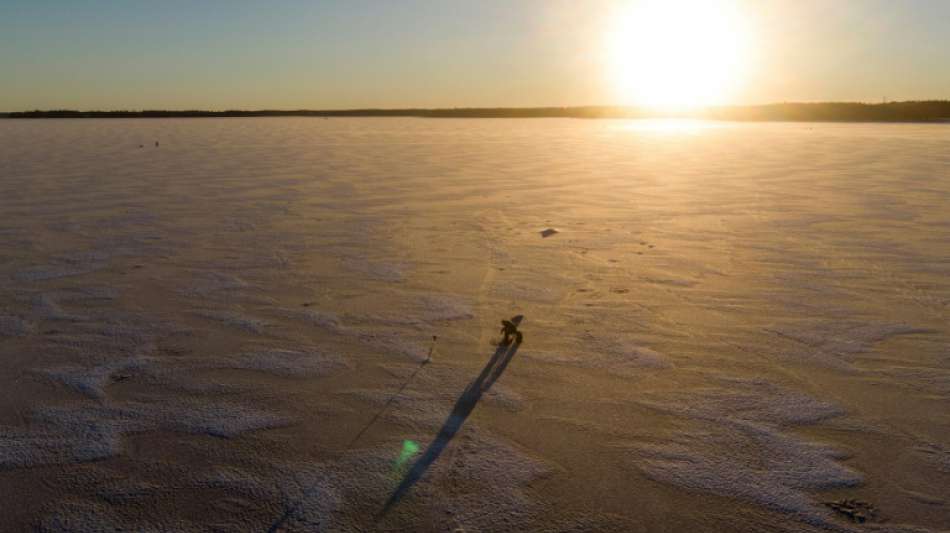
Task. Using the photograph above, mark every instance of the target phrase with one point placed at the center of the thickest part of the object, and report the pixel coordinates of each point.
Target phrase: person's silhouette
(510, 330)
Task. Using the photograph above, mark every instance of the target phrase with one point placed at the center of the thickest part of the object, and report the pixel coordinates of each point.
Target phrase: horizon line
(645, 108)
(885, 111)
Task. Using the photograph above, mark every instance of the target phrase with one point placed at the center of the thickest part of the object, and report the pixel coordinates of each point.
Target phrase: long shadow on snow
(463, 408)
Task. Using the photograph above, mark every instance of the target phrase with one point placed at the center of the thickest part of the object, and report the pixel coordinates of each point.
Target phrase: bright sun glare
(678, 54)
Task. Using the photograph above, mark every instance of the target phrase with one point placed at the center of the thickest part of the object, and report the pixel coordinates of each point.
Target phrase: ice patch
(105, 338)
(749, 462)
(926, 499)
(76, 517)
(421, 312)
(391, 272)
(76, 264)
(935, 455)
(290, 363)
(743, 451)
(744, 400)
(445, 308)
(50, 272)
(899, 528)
(522, 292)
(87, 294)
(26, 449)
(618, 357)
(212, 282)
(46, 307)
(80, 433)
(671, 282)
(638, 357)
(215, 419)
(934, 380)
(92, 381)
(236, 320)
(125, 491)
(835, 344)
(322, 319)
(12, 326)
(125, 220)
(394, 342)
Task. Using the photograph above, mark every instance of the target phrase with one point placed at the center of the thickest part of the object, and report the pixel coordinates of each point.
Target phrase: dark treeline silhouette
(914, 111)
(473, 112)
(917, 111)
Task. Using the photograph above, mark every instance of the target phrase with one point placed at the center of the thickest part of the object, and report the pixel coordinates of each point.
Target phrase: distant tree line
(475, 112)
(917, 111)
(913, 111)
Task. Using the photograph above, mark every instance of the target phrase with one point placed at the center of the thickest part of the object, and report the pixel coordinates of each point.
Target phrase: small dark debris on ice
(856, 510)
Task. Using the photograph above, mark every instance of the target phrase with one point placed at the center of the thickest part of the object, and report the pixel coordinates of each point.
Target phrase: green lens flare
(409, 448)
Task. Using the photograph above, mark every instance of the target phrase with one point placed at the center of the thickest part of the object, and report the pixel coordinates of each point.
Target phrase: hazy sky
(133, 54)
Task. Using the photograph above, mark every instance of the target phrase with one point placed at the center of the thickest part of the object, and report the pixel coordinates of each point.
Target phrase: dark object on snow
(431, 349)
(856, 510)
(510, 329)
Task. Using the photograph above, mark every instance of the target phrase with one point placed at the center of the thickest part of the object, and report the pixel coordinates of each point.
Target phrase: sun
(677, 54)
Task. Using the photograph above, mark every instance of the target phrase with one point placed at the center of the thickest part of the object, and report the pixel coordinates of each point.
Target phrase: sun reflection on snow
(672, 126)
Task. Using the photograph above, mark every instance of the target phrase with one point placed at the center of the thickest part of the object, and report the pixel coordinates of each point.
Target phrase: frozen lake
(222, 323)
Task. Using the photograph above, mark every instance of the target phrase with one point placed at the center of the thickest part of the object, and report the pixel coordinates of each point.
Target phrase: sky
(336, 54)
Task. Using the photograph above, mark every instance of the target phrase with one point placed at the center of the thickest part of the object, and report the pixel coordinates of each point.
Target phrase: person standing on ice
(510, 329)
